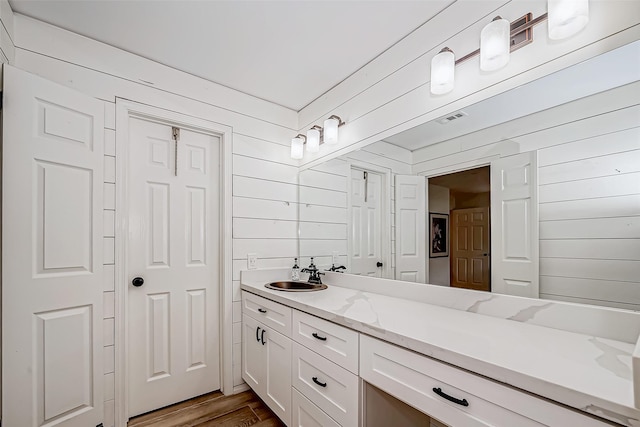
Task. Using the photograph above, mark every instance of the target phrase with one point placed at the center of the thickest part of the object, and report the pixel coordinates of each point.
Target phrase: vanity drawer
(412, 378)
(271, 314)
(335, 342)
(306, 414)
(332, 388)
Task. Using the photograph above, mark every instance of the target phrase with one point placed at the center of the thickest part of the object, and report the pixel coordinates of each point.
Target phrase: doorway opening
(462, 200)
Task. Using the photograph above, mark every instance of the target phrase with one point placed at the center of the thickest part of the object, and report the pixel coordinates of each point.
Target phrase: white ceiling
(287, 52)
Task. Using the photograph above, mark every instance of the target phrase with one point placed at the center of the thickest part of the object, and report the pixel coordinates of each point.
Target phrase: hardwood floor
(213, 409)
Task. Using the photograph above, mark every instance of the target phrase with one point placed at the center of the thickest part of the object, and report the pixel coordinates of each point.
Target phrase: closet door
(52, 254)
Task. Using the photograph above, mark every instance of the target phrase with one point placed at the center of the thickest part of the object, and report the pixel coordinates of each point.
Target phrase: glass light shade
(567, 17)
(494, 45)
(297, 148)
(313, 140)
(331, 131)
(442, 72)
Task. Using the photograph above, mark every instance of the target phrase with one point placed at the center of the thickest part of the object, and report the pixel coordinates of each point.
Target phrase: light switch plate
(252, 261)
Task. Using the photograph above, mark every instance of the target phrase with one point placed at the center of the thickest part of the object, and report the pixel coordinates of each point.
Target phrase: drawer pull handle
(262, 310)
(258, 334)
(262, 336)
(316, 336)
(439, 392)
(315, 380)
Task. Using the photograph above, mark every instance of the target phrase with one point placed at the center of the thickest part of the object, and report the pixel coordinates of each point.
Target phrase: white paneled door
(366, 223)
(52, 254)
(173, 258)
(410, 221)
(514, 225)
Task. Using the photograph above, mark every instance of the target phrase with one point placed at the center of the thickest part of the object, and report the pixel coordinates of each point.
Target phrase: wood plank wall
(264, 177)
(589, 192)
(324, 201)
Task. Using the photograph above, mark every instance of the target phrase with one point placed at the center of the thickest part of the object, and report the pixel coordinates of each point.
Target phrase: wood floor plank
(243, 417)
(142, 420)
(213, 409)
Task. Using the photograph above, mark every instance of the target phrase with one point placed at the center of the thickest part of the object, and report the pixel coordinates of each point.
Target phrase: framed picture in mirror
(439, 235)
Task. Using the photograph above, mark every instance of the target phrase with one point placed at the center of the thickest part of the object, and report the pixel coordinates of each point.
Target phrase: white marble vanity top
(588, 372)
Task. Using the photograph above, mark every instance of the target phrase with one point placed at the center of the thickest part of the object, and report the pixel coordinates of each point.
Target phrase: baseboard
(240, 388)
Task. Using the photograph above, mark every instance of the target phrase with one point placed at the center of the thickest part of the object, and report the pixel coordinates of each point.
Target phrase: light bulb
(313, 140)
(442, 72)
(297, 148)
(494, 44)
(331, 130)
(567, 17)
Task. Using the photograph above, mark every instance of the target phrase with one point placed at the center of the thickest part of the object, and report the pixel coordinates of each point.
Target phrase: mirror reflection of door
(466, 197)
(366, 216)
(470, 249)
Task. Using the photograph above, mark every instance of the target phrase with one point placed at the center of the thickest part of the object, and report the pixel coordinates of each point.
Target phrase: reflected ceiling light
(331, 129)
(494, 44)
(567, 17)
(313, 139)
(442, 72)
(297, 146)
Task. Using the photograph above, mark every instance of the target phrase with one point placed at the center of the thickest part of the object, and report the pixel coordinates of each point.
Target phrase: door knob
(137, 282)
(378, 264)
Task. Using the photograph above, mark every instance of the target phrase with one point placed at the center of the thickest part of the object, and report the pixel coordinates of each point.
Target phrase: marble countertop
(586, 372)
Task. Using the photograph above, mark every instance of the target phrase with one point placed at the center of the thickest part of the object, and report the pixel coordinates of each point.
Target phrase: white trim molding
(126, 109)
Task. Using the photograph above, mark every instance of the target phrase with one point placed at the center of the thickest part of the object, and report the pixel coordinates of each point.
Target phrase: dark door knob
(137, 282)
(378, 264)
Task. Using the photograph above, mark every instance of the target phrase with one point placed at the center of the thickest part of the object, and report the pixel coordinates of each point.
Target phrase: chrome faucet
(314, 273)
(337, 269)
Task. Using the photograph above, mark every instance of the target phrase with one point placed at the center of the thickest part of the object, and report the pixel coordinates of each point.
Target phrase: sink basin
(290, 286)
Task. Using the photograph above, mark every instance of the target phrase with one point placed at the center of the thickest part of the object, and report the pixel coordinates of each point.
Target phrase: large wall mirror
(544, 178)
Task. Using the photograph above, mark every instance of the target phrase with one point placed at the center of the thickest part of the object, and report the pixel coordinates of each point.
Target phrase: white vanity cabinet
(324, 372)
(313, 372)
(266, 352)
(457, 397)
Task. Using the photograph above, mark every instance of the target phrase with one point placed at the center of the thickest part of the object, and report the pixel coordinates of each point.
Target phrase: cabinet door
(306, 414)
(278, 374)
(253, 366)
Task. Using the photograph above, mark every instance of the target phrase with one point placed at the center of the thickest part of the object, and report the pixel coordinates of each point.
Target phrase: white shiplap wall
(589, 192)
(264, 187)
(324, 200)
(391, 93)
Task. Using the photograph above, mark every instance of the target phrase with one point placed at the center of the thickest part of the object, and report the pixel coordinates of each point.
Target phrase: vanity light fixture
(313, 139)
(494, 44)
(297, 146)
(443, 72)
(331, 129)
(566, 18)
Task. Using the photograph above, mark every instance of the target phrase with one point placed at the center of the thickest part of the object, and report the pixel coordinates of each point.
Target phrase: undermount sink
(290, 286)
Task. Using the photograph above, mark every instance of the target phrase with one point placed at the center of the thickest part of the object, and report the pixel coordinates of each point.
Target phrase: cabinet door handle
(262, 336)
(258, 334)
(439, 392)
(315, 380)
(262, 310)
(318, 337)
